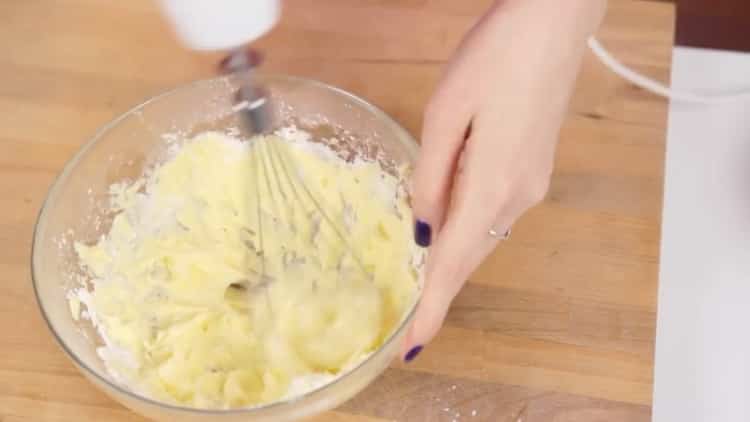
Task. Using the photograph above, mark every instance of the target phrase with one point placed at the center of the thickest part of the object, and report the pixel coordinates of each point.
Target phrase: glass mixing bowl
(74, 210)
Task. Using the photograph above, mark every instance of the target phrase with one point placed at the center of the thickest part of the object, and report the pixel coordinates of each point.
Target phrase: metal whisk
(277, 173)
(253, 100)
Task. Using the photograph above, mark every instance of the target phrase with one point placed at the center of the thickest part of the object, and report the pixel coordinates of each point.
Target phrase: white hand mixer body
(229, 25)
(215, 25)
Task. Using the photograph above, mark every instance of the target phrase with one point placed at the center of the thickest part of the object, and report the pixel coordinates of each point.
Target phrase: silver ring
(500, 235)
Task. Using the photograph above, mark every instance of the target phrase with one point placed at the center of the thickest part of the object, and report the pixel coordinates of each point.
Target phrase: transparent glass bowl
(74, 210)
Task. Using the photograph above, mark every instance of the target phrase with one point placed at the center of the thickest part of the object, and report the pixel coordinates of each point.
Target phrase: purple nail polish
(412, 353)
(422, 233)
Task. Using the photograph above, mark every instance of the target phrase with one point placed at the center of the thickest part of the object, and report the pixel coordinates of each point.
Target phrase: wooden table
(557, 325)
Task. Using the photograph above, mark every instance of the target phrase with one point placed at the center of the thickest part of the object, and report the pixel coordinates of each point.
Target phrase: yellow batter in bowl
(221, 281)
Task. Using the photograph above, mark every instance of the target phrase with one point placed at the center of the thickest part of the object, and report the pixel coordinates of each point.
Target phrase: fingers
(480, 201)
(445, 274)
(443, 135)
(461, 245)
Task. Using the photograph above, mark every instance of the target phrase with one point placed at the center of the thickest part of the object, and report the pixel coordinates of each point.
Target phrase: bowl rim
(404, 137)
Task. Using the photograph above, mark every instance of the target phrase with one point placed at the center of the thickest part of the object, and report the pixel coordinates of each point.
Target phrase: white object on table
(702, 369)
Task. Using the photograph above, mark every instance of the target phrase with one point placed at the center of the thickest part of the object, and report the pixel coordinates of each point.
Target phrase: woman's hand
(489, 137)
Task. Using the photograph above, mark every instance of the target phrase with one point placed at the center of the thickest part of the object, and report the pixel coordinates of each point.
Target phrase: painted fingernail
(412, 353)
(422, 233)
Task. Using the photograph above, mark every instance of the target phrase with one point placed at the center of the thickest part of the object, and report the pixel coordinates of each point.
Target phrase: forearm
(573, 20)
(547, 31)
(533, 51)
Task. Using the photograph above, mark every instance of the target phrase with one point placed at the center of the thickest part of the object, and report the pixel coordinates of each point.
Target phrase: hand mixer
(229, 25)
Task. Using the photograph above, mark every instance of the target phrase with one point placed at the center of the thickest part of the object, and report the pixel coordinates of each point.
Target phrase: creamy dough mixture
(204, 298)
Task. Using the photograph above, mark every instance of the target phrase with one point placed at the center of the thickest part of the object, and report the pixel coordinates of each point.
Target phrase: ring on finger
(499, 234)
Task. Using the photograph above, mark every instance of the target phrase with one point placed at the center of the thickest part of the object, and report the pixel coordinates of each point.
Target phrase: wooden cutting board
(557, 325)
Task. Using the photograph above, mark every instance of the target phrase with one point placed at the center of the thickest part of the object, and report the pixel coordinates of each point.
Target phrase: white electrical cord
(657, 87)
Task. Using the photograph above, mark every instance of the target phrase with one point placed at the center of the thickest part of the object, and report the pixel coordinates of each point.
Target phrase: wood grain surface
(558, 325)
